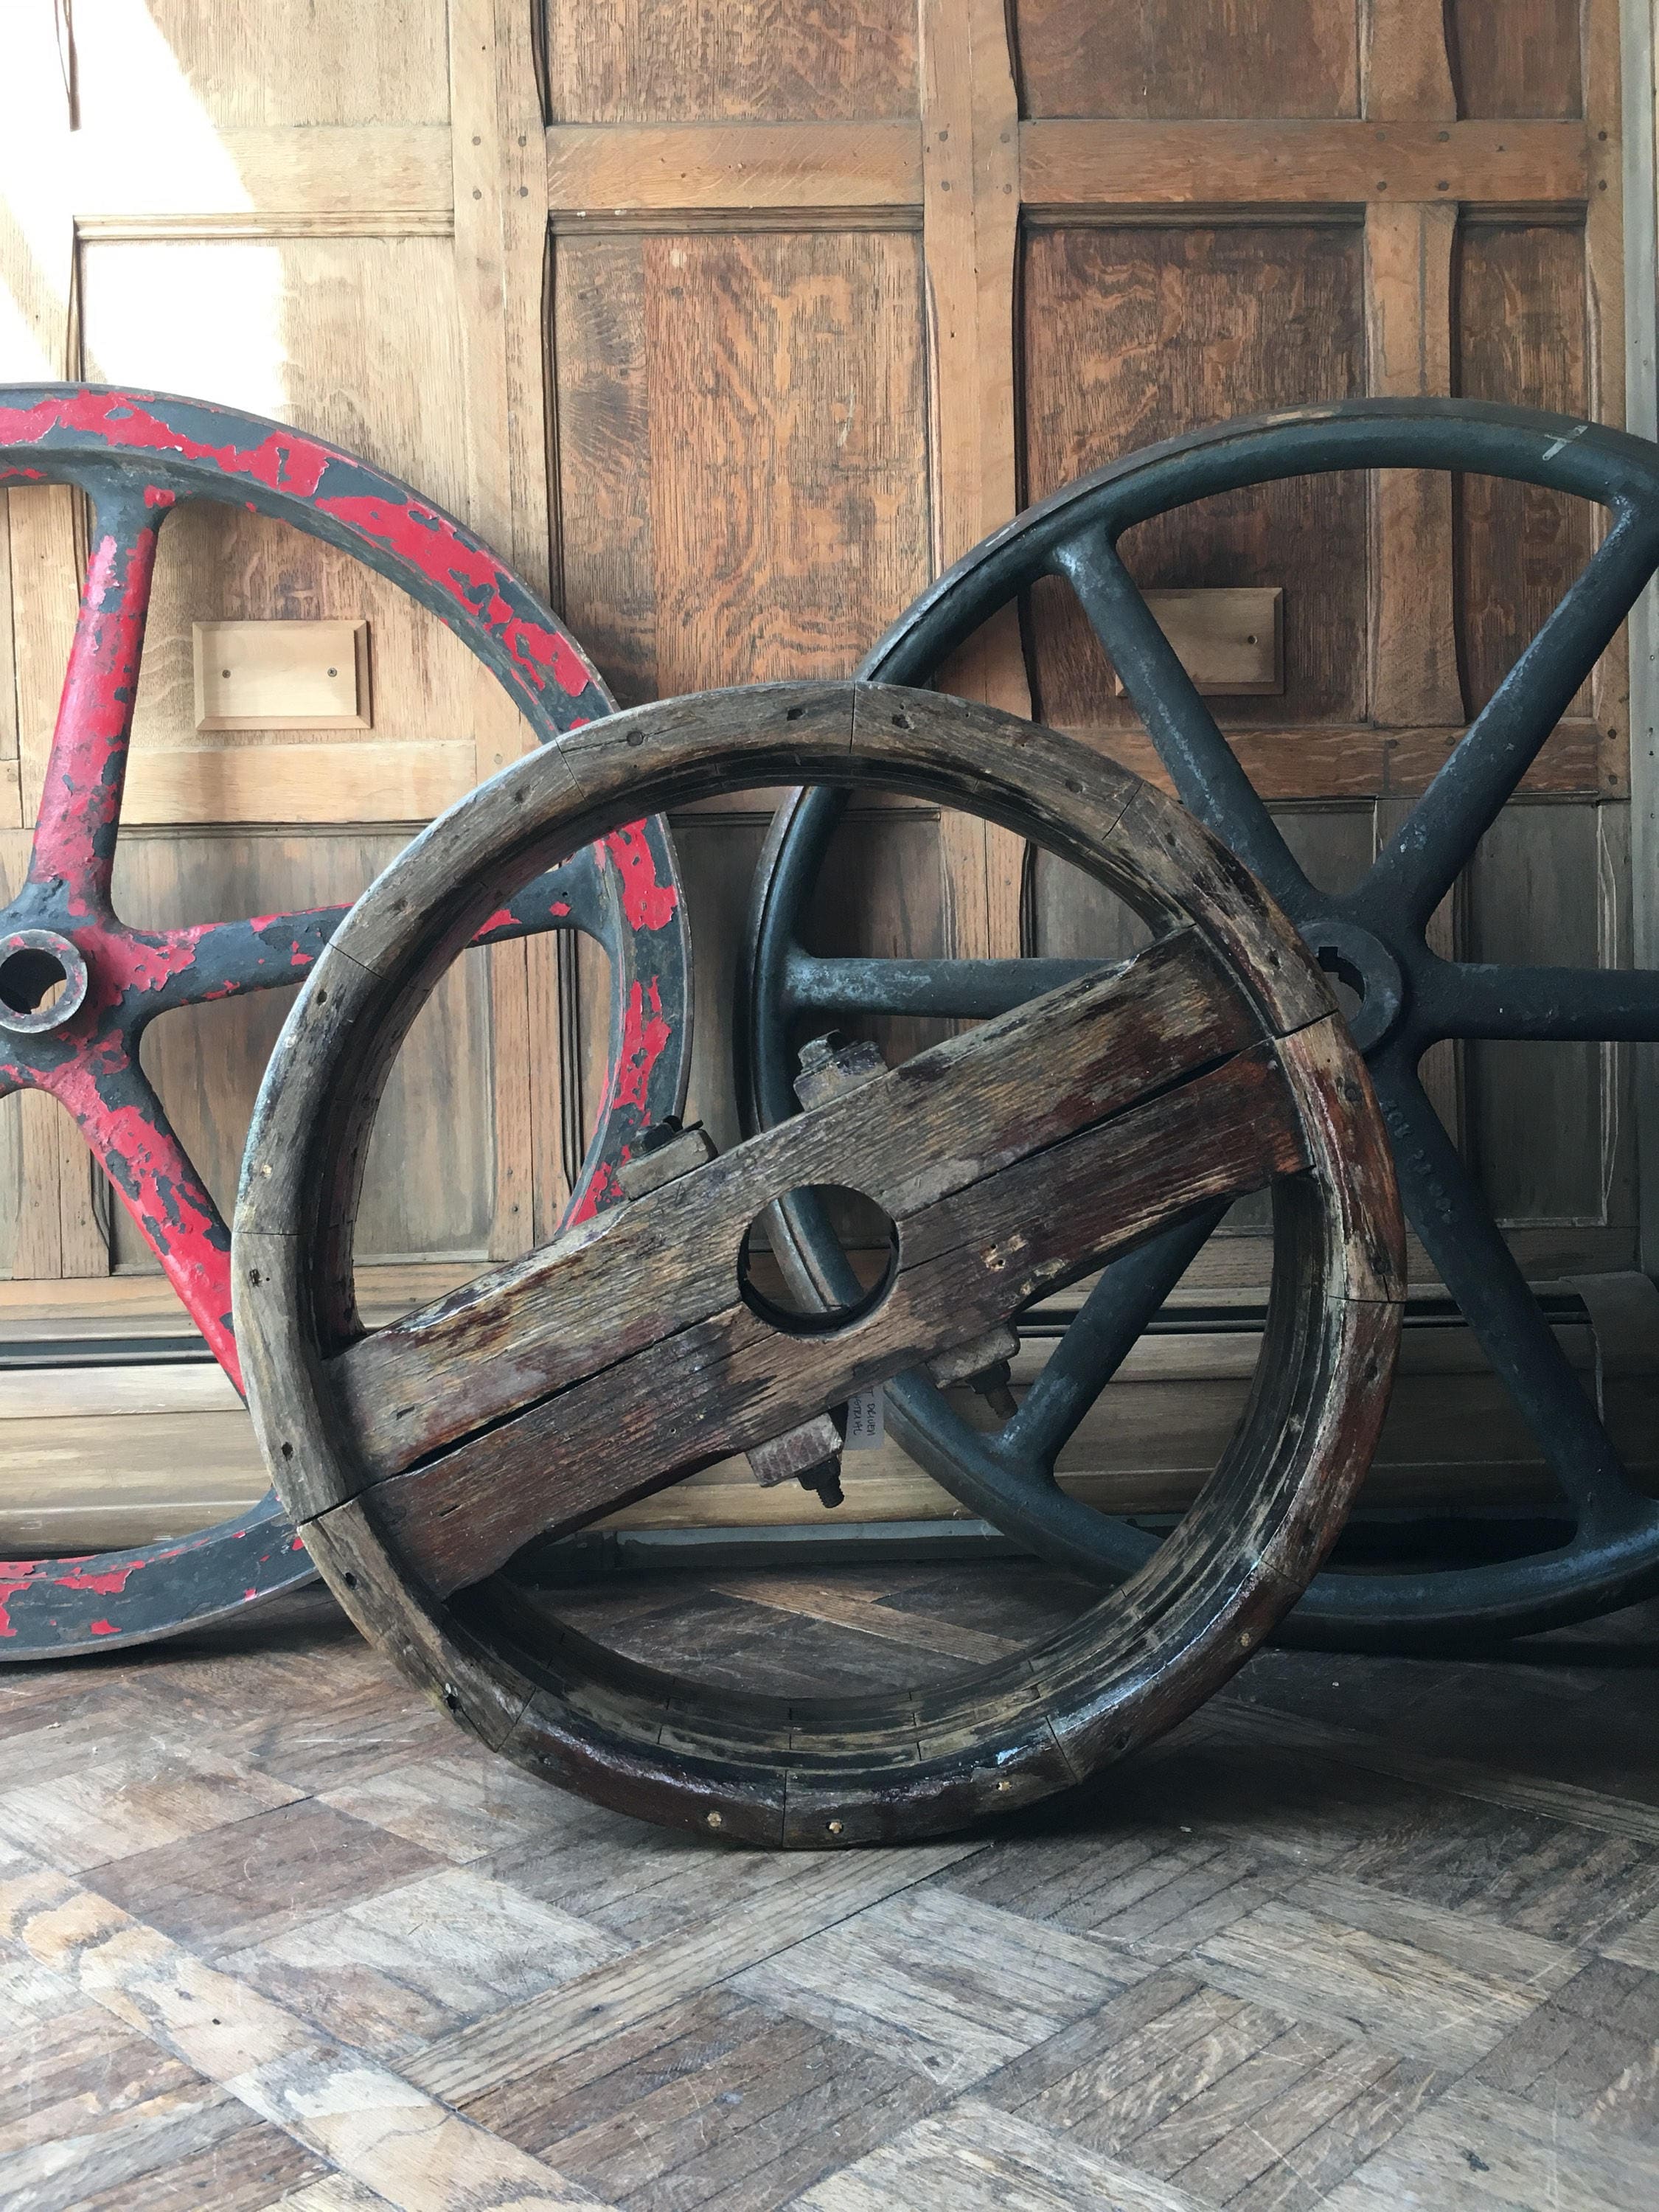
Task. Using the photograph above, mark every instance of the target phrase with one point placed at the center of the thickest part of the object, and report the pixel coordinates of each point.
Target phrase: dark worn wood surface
(420, 1461)
(568, 1384)
(1363, 1935)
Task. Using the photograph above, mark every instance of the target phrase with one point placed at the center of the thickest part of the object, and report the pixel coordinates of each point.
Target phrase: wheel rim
(138, 456)
(1411, 998)
(772, 1771)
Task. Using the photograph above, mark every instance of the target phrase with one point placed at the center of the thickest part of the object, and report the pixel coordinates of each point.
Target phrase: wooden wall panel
(1521, 336)
(285, 327)
(1541, 1115)
(1132, 334)
(669, 61)
(1155, 58)
(10, 799)
(428, 1189)
(742, 472)
(264, 64)
(1516, 57)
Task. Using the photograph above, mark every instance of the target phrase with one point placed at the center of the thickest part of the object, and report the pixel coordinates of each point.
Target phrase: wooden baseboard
(96, 1457)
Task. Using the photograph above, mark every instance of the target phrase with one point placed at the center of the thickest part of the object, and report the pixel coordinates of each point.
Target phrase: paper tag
(867, 1420)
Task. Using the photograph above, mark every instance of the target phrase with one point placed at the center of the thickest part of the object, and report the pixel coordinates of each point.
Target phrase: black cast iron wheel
(1374, 936)
(78, 987)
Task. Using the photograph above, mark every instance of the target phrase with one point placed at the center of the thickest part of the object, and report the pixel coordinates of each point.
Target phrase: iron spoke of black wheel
(1105, 1328)
(1203, 766)
(962, 990)
(1465, 1246)
(1418, 867)
(1471, 999)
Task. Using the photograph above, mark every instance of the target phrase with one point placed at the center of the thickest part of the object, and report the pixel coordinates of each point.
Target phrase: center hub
(1353, 956)
(43, 982)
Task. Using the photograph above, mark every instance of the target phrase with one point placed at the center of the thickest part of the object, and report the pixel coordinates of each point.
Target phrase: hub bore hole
(869, 1242)
(1349, 979)
(31, 981)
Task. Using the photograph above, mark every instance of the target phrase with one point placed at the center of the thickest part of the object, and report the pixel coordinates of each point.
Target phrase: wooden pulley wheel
(419, 1460)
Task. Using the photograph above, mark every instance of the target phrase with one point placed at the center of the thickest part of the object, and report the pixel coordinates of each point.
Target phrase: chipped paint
(648, 902)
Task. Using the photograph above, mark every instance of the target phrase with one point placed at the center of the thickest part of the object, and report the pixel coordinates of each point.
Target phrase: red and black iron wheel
(78, 987)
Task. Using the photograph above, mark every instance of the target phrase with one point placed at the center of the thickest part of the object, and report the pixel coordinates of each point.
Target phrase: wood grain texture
(1405, 70)
(521, 1344)
(970, 228)
(619, 62)
(1521, 336)
(1517, 58)
(1074, 164)
(1040, 2017)
(1414, 643)
(695, 361)
(681, 168)
(1168, 60)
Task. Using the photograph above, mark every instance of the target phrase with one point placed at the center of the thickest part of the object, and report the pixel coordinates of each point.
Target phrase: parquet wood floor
(1365, 1933)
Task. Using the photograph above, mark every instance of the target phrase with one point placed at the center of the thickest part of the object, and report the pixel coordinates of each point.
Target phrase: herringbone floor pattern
(1365, 1935)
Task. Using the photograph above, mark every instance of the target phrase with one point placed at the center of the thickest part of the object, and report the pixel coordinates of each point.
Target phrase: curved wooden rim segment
(418, 1461)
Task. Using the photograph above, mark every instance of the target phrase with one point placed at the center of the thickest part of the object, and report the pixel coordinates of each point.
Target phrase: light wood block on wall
(1229, 639)
(282, 676)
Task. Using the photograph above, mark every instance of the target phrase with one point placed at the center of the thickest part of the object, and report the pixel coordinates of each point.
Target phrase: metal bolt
(835, 1827)
(714, 1821)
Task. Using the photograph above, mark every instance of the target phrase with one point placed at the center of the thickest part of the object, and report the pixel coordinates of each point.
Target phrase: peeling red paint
(103, 1628)
(646, 1035)
(603, 1189)
(648, 904)
(110, 1582)
(471, 574)
(80, 798)
(286, 459)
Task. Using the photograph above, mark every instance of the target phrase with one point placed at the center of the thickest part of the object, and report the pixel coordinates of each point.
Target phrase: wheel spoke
(1418, 867)
(1477, 1266)
(227, 959)
(80, 796)
(1202, 765)
(126, 1126)
(949, 989)
(1105, 1328)
(1472, 999)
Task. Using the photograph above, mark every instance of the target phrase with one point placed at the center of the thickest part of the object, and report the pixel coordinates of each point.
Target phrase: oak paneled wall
(1549, 1124)
(671, 61)
(743, 451)
(1132, 334)
(1522, 335)
(1516, 57)
(264, 65)
(1166, 58)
